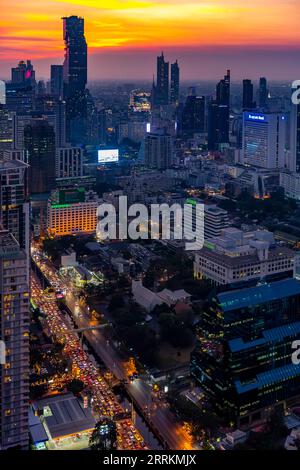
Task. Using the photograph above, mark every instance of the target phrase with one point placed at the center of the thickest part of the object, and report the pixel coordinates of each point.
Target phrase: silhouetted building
(57, 81)
(161, 89)
(248, 103)
(75, 78)
(193, 116)
(174, 86)
(263, 93)
(39, 144)
(218, 126)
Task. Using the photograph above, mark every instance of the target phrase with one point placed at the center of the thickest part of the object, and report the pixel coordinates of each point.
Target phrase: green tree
(104, 436)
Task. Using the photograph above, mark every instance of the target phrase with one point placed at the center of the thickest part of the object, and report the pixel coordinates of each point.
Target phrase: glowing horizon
(33, 29)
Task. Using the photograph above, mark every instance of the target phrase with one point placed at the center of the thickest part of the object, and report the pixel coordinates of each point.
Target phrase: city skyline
(124, 36)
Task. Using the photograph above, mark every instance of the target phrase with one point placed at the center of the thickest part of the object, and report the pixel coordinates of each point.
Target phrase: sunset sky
(124, 36)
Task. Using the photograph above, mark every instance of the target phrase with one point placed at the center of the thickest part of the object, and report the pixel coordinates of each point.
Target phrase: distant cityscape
(140, 344)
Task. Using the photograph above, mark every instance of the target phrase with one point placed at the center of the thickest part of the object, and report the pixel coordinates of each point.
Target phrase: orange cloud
(34, 27)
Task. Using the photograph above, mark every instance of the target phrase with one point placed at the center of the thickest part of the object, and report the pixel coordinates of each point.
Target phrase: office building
(243, 360)
(264, 139)
(39, 145)
(69, 162)
(57, 81)
(237, 257)
(72, 211)
(174, 84)
(158, 150)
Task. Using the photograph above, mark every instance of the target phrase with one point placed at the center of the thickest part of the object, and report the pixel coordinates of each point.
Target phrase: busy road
(160, 418)
(103, 400)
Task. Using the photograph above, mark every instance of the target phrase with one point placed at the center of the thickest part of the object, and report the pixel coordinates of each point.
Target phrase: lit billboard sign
(108, 156)
(256, 117)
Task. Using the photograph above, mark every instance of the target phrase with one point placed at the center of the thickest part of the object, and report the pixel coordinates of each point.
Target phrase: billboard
(108, 156)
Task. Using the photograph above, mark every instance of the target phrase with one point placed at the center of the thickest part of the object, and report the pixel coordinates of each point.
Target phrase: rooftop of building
(8, 245)
(252, 296)
(64, 415)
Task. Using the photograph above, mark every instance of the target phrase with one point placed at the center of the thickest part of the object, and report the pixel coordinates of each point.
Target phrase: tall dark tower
(75, 63)
(193, 115)
(223, 90)
(248, 103)
(263, 93)
(75, 77)
(39, 144)
(162, 82)
(174, 87)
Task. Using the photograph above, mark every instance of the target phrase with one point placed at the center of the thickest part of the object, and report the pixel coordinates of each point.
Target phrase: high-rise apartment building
(263, 93)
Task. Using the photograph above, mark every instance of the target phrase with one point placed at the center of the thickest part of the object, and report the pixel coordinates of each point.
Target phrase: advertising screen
(108, 156)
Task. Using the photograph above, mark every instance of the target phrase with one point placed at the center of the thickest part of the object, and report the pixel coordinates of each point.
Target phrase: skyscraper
(174, 86)
(264, 139)
(75, 63)
(248, 103)
(23, 73)
(75, 78)
(39, 144)
(57, 81)
(218, 126)
(161, 90)
(193, 115)
(158, 150)
(14, 304)
(20, 92)
(263, 93)
(14, 331)
(218, 115)
(223, 90)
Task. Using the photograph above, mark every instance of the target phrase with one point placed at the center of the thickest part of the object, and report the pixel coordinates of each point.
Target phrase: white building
(290, 182)
(149, 300)
(236, 256)
(215, 220)
(264, 140)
